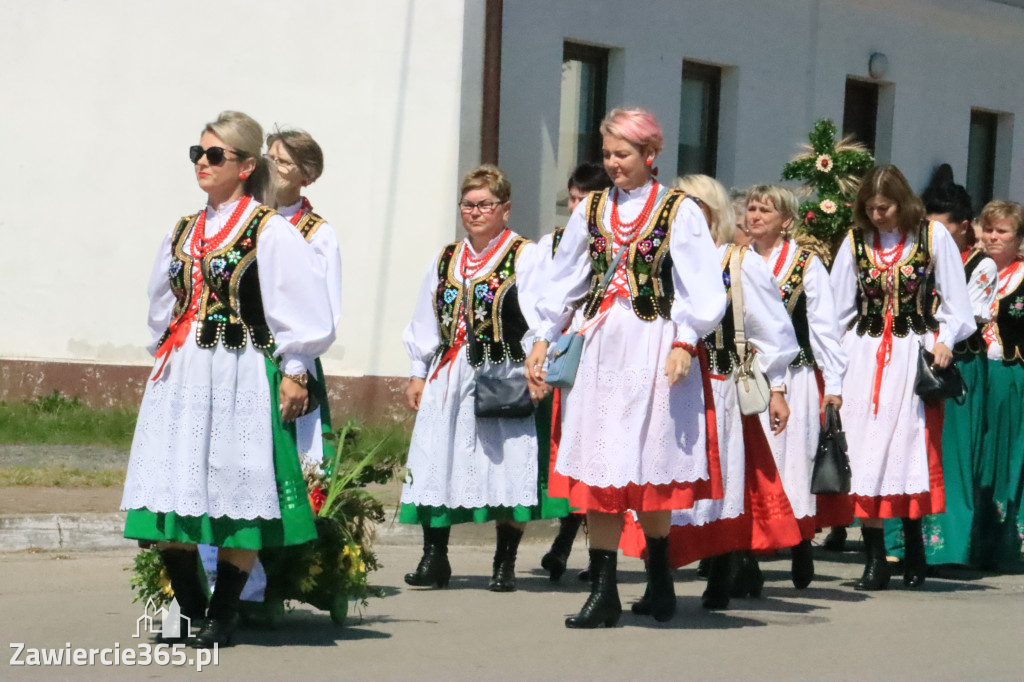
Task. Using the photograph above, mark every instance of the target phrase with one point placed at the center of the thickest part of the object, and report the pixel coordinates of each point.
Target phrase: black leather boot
(555, 560)
(503, 576)
(704, 568)
(876, 568)
(720, 570)
(747, 579)
(222, 615)
(835, 541)
(802, 564)
(915, 565)
(433, 569)
(602, 606)
(659, 579)
(182, 566)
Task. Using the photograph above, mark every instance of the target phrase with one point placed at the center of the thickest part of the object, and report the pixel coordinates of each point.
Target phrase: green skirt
(293, 528)
(547, 507)
(947, 536)
(999, 522)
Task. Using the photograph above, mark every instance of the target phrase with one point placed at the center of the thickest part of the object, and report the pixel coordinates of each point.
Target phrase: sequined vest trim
(498, 321)
(975, 343)
(230, 275)
(309, 224)
(794, 297)
(556, 239)
(913, 302)
(649, 261)
(1009, 326)
(721, 343)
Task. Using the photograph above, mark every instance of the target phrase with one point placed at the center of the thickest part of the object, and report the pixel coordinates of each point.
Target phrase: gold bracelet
(300, 379)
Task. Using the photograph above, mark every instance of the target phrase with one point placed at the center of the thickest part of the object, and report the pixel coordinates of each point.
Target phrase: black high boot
(802, 564)
(835, 541)
(747, 579)
(222, 615)
(602, 606)
(555, 560)
(433, 569)
(720, 570)
(503, 576)
(659, 579)
(915, 566)
(876, 568)
(182, 566)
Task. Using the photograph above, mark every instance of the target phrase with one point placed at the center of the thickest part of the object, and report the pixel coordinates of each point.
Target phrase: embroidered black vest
(913, 295)
(556, 239)
(498, 321)
(231, 284)
(975, 343)
(309, 224)
(721, 343)
(648, 263)
(794, 297)
(1009, 326)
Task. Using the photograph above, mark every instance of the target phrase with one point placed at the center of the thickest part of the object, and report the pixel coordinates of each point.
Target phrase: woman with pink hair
(633, 425)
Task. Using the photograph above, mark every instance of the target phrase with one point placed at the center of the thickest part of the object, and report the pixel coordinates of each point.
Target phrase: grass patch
(60, 476)
(55, 419)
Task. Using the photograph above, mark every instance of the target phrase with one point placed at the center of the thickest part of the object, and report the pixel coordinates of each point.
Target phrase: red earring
(649, 162)
(243, 176)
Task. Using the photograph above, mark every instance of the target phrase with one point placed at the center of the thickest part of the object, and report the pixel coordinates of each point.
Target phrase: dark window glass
(860, 112)
(981, 156)
(698, 119)
(584, 87)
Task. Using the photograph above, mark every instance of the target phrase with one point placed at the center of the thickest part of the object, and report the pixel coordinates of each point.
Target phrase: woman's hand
(778, 412)
(414, 392)
(293, 399)
(539, 394)
(535, 369)
(831, 400)
(943, 355)
(677, 366)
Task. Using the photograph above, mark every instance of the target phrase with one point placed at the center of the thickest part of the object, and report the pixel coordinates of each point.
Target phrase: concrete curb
(76, 532)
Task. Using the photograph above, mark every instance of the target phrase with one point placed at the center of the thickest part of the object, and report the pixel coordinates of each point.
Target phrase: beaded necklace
(625, 233)
(781, 260)
(303, 210)
(470, 266)
(200, 245)
(887, 259)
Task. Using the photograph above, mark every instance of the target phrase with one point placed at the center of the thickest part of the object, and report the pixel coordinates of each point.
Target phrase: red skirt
(767, 522)
(913, 505)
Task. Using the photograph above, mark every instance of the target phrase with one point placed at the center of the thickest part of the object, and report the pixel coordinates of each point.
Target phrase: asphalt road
(969, 627)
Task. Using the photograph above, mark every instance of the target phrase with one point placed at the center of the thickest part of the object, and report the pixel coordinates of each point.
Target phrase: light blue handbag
(567, 351)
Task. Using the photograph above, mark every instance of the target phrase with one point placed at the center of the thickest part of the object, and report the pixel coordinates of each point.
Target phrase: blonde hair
(1003, 210)
(244, 135)
(488, 176)
(714, 196)
(784, 201)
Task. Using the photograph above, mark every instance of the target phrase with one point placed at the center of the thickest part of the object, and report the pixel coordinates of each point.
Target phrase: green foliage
(831, 171)
(56, 419)
(149, 580)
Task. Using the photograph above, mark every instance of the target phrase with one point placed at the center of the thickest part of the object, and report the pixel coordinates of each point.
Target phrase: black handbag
(936, 384)
(831, 472)
(501, 390)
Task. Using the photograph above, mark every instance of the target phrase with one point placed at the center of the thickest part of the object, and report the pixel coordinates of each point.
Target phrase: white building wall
(787, 63)
(101, 99)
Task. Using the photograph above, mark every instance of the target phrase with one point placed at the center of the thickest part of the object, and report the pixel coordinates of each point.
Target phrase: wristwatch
(781, 388)
(300, 379)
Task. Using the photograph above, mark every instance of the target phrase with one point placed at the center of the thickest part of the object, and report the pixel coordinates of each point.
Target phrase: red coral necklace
(781, 260)
(627, 232)
(470, 265)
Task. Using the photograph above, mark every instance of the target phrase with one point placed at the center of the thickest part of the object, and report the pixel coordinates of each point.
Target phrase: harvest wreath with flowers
(334, 569)
(831, 172)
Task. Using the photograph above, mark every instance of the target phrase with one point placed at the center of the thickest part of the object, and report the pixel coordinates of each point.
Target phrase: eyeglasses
(215, 155)
(486, 207)
(283, 164)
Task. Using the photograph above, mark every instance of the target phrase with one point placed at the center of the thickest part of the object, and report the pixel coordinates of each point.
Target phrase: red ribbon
(882, 358)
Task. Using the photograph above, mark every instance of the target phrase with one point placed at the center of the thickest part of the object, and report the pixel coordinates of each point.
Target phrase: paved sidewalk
(968, 628)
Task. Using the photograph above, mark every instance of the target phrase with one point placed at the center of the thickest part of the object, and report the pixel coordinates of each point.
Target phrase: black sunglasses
(215, 155)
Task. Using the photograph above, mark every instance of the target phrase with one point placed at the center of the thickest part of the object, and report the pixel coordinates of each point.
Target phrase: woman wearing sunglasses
(238, 310)
(470, 316)
(633, 425)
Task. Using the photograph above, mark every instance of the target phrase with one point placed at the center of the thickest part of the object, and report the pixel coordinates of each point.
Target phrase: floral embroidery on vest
(648, 262)
(1009, 325)
(498, 322)
(309, 224)
(721, 343)
(975, 343)
(794, 296)
(913, 297)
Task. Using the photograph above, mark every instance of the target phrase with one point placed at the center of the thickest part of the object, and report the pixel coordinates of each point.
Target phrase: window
(860, 112)
(584, 87)
(698, 119)
(981, 156)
